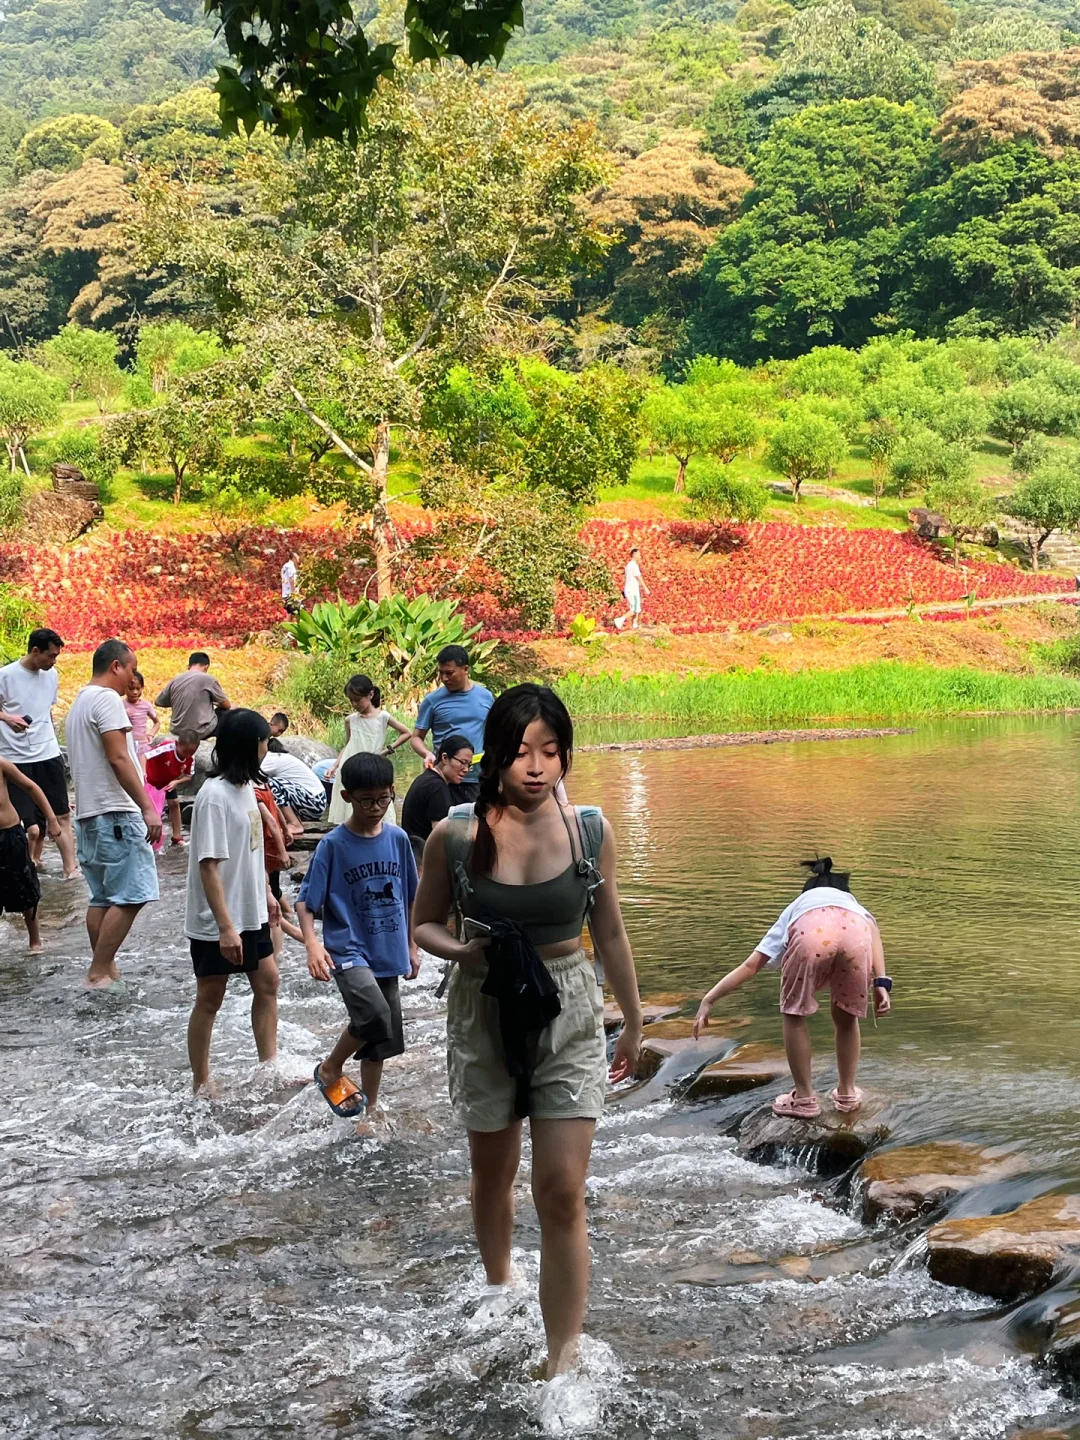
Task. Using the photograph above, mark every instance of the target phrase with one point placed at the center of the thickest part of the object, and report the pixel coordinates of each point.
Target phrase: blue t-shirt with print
(461, 712)
(364, 885)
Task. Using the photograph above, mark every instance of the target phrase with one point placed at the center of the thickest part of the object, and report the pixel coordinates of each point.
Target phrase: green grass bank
(759, 699)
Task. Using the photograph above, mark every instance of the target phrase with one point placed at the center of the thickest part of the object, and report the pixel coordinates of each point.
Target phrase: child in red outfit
(168, 764)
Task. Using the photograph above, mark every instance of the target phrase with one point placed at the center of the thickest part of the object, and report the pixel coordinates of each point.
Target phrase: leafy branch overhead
(307, 68)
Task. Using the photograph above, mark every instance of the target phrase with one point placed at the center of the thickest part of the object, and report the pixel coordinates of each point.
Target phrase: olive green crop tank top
(549, 912)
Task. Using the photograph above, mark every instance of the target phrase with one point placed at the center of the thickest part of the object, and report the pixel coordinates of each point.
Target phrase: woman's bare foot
(72, 874)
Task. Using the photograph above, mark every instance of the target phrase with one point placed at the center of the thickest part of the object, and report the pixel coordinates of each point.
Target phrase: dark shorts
(207, 959)
(274, 877)
(52, 777)
(20, 889)
(374, 1007)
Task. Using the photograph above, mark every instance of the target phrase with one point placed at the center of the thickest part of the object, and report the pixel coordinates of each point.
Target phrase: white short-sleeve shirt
(631, 578)
(774, 942)
(33, 693)
(226, 827)
(97, 710)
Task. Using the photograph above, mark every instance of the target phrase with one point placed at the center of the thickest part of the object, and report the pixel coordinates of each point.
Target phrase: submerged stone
(828, 1143)
(913, 1179)
(1007, 1256)
(747, 1067)
(655, 1051)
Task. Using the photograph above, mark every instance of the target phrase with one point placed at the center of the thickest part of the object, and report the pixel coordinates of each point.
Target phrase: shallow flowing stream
(250, 1267)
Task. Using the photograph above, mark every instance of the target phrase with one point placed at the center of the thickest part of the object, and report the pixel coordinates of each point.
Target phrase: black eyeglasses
(374, 802)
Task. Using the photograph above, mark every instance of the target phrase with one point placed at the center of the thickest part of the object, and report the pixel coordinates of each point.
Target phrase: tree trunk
(680, 478)
(22, 457)
(178, 476)
(796, 486)
(380, 515)
(1036, 545)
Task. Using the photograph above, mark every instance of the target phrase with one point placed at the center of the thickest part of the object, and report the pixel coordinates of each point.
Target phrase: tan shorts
(569, 1078)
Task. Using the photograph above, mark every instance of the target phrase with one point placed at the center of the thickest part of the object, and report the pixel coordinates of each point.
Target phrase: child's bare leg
(370, 1080)
(33, 932)
(848, 1046)
(174, 819)
(35, 839)
(797, 1048)
(331, 1067)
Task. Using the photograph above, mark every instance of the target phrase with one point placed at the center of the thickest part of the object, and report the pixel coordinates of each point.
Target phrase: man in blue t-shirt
(458, 706)
(362, 879)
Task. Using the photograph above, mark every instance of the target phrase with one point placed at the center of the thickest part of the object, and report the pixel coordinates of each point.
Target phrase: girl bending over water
(823, 938)
(516, 866)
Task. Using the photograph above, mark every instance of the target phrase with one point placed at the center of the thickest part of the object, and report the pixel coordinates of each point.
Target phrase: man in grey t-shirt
(195, 698)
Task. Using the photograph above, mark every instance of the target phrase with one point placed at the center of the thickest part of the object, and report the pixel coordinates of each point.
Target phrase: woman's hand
(331, 772)
(701, 1019)
(473, 949)
(231, 946)
(627, 1049)
(882, 1001)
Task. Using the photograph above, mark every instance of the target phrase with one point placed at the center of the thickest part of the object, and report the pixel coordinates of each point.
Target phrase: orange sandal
(338, 1094)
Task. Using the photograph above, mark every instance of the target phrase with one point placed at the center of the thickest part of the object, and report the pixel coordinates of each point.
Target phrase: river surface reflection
(250, 1267)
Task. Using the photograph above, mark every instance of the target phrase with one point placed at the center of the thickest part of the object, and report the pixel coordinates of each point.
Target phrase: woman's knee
(559, 1199)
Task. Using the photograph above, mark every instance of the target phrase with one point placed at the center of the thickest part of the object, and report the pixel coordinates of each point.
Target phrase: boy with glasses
(362, 879)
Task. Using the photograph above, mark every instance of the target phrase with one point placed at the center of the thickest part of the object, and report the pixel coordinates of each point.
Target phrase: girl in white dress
(365, 730)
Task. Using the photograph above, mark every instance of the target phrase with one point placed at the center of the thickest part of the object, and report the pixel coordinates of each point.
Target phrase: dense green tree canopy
(807, 258)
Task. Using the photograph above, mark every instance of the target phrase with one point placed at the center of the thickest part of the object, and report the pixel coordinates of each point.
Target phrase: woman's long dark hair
(822, 874)
(236, 748)
(508, 719)
(363, 685)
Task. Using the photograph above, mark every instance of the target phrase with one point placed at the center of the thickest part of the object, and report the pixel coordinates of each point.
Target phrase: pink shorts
(827, 947)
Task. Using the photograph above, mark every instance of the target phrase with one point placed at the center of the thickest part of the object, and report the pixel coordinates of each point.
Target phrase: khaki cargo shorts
(569, 1079)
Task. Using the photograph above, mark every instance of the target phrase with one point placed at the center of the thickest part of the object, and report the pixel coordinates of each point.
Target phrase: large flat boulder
(746, 1068)
(1007, 1256)
(827, 1144)
(915, 1179)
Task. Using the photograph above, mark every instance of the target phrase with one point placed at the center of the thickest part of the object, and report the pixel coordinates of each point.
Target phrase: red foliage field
(182, 590)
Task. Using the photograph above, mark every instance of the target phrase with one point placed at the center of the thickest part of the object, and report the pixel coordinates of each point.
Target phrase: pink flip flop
(796, 1107)
(846, 1103)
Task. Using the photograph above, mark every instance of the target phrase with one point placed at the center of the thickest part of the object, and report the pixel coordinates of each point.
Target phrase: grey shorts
(569, 1079)
(115, 859)
(374, 1007)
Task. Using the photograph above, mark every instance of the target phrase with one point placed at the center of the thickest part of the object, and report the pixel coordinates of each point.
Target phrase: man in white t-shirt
(116, 822)
(28, 692)
(633, 588)
(290, 583)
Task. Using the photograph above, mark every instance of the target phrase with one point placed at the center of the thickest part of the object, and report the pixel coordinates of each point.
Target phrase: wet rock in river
(1007, 1256)
(655, 1052)
(914, 1179)
(1062, 1354)
(747, 1067)
(650, 1014)
(828, 1143)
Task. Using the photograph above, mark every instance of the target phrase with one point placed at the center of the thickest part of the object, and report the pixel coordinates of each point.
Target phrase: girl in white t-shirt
(823, 938)
(229, 906)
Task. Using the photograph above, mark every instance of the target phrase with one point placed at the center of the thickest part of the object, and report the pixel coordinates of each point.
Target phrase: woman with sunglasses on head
(515, 864)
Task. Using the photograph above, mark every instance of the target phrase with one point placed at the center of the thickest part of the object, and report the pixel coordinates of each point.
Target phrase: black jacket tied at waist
(527, 996)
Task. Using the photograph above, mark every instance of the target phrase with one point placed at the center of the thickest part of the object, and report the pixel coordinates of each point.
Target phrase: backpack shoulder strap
(587, 840)
(461, 822)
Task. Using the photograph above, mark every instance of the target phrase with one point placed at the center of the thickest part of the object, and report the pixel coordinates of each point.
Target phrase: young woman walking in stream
(525, 1034)
(823, 938)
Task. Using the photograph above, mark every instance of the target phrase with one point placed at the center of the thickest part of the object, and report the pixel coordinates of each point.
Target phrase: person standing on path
(195, 698)
(290, 583)
(229, 909)
(526, 871)
(116, 822)
(28, 692)
(458, 707)
(365, 734)
(633, 588)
